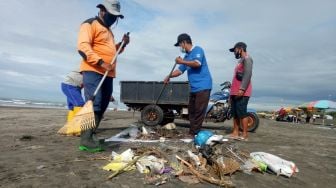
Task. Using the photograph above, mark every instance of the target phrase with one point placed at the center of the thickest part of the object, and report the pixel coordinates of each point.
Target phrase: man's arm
(192, 64)
(175, 73)
(248, 63)
(84, 44)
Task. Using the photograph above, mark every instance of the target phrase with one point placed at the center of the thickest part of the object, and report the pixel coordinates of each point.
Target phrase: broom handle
(106, 72)
(164, 85)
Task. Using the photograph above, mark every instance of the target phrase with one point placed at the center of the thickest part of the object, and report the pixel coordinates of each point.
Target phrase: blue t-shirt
(199, 78)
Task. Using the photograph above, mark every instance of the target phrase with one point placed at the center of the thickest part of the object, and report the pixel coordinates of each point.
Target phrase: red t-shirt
(236, 84)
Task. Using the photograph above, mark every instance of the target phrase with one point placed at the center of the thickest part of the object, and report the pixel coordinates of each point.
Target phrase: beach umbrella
(320, 104)
(324, 104)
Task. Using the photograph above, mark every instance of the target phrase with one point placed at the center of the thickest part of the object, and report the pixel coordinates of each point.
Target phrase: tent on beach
(318, 105)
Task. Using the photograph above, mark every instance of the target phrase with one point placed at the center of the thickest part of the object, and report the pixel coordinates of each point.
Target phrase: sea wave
(30, 103)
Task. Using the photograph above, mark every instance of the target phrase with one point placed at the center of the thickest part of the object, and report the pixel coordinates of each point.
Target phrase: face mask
(109, 19)
(182, 50)
(238, 55)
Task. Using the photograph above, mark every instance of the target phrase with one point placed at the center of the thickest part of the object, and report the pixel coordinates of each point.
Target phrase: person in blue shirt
(200, 81)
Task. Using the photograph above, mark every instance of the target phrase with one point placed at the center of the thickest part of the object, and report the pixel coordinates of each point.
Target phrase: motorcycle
(219, 108)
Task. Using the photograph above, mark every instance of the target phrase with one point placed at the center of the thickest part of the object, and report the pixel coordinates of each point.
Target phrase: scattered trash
(116, 166)
(131, 132)
(216, 139)
(144, 131)
(194, 157)
(146, 135)
(187, 140)
(220, 182)
(125, 156)
(170, 126)
(202, 137)
(129, 164)
(166, 154)
(150, 164)
(120, 161)
(162, 139)
(276, 164)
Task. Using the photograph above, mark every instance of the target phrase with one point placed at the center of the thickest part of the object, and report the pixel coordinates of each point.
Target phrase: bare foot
(234, 134)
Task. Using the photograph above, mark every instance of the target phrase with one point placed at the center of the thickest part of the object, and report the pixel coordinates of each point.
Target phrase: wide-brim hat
(111, 6)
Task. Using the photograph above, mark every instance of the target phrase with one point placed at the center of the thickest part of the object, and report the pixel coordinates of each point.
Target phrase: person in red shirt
(241, 89)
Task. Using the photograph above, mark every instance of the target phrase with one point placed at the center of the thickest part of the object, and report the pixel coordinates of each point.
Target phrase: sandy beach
(33, 155)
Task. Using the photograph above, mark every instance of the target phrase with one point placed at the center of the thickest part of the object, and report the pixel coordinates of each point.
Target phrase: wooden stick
(202, 177)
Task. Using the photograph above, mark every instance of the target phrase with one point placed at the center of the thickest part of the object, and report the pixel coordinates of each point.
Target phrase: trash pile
(209, 158)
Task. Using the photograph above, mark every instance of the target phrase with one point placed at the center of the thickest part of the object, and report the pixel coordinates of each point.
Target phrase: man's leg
(106, 92)
(242, 113)
(201, 104)
(245, 125)
(90, 82)
(106, 89)
(236, 120)
(235, 131)
(191, 111)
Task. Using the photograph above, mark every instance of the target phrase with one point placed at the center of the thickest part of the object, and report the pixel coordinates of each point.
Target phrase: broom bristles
(82, 121)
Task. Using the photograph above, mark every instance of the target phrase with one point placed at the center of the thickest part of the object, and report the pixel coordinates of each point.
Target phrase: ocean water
(30, 103)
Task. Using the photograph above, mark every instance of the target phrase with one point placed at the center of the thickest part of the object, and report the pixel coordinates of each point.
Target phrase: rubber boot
(88, 144)
(70, 115)
(98, 118)
(88, 141)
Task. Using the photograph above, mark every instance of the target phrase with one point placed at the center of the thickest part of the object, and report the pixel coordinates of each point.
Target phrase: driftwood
(205, 178)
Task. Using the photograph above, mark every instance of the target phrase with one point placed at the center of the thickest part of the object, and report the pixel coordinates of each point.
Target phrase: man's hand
(126, 40)
(106, 66)
(166, 80)
(179, 60)
(240, 93)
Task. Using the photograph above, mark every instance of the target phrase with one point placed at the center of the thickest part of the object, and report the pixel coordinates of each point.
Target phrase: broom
(84, 119)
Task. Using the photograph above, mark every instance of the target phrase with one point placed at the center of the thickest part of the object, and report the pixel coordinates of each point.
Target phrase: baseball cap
(182, 37)
(238, 45)
(112, 6)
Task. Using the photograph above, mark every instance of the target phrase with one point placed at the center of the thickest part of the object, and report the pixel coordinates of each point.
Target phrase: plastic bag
(275, 163)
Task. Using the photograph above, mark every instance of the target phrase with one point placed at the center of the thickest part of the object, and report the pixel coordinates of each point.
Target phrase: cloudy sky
(292, 43)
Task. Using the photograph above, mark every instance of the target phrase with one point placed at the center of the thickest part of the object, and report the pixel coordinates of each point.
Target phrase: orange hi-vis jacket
(95, 42)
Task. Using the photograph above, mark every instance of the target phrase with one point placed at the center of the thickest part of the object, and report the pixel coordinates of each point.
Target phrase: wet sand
(33, 155)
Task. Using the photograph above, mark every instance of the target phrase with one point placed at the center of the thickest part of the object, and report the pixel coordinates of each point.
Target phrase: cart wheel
(253, 122)
(152, 115)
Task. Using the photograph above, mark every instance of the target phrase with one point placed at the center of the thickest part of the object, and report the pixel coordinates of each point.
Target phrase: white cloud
(291, 44)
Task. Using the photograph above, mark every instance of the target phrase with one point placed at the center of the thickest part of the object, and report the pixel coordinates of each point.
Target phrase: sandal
(242, 139)
(231, 137)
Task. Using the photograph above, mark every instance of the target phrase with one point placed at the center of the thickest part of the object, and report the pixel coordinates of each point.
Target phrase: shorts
(239, 106)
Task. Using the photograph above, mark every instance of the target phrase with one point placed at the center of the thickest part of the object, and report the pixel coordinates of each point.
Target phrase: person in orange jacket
(97, 47)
